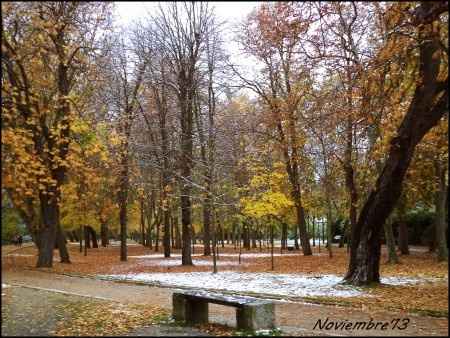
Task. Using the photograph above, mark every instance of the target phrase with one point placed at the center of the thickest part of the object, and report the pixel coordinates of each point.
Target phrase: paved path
(293, 318)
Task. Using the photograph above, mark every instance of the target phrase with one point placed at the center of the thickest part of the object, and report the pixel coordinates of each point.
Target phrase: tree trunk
(314, 230)
(75, 235)
(177, 234)
(47, 235)
(421, 116)
(157, 237)
(166, 238)
(87, 237)
(403, 237)
(149, 230)
(329, 233)
(390, 242)
(206, 227)
(142, 220)
(61, 242)
(172, 233)
(70, 235)
(272, 263)
(284, 236)
(93, 236)
(440, 224)
(80, 233)
(185, 100)
(104, 234)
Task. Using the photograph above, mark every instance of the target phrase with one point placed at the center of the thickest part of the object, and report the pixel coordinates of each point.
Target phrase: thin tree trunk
(314, 230)
(87, 237)
(61, 241)
(104, 234)
(440, 224)
(177, 234)
(271, 248)
(390, 242)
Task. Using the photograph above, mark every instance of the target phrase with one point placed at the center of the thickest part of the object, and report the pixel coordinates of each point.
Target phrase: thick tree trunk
(421, 116)
(440, 224)
(47, 235)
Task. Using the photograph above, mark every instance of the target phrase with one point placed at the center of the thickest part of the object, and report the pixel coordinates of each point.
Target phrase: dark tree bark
(157, 237)
(104, 234)
(177, 233)
(61, 243)
(206, 229)
(87, 237)
(284, 234)
(390, 242)
(75, 235)
(142, 221)
(70, 235)
(92, 236)
(172, 233)
(440, 224)
(429, 104)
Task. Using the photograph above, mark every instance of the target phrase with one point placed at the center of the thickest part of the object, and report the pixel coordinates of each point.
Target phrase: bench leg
(255, 317)
(187, 310)
(197, 312)
(179, 307)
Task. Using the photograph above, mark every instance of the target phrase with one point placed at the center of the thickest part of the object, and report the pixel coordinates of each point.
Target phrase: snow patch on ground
(408, 280)
(289, 285)
(161, 256)
(284, 285)
(256, 255)
(196, 262)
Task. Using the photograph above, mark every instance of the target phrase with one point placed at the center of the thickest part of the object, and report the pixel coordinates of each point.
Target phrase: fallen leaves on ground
(216, 329)
(98, 318)
(421, 297)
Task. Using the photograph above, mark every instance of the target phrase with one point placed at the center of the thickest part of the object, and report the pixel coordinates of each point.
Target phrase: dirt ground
(293, 318)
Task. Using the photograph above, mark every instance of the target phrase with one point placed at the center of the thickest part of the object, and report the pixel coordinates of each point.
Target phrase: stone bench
(251, 313)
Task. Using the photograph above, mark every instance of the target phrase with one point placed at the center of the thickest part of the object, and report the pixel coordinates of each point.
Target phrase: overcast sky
(231, 12)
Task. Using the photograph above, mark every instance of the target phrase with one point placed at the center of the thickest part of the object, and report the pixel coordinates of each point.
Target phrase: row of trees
(152, 124)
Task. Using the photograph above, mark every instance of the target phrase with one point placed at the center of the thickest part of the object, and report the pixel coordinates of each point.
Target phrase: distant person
(19, 240)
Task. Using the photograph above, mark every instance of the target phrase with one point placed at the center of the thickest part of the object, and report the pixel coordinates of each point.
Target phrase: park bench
(251, 313)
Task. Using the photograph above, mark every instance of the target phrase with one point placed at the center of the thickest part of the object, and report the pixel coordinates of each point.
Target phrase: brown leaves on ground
(216, 329)
(98, 318)
(423, 297)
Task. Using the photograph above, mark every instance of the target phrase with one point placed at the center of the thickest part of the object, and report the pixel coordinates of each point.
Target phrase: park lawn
(428, 298)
